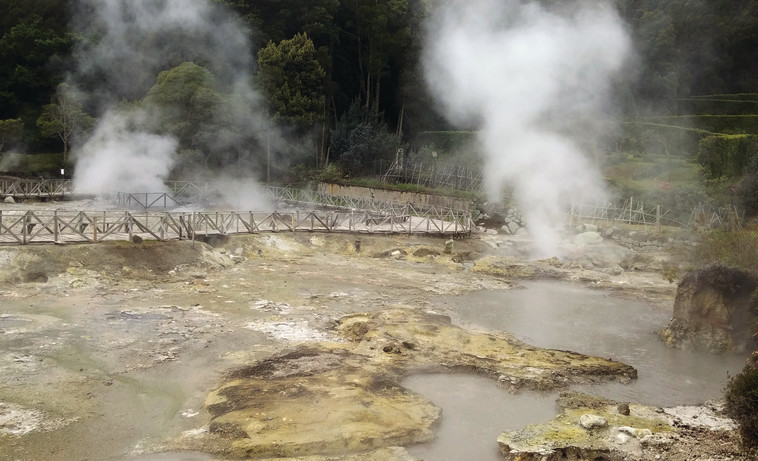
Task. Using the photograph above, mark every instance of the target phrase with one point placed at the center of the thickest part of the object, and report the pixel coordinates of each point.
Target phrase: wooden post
(94, 229)
(23, 228)
(631, 201)
(129, 224)
(571, 216)
(55, 226)
(658, 218)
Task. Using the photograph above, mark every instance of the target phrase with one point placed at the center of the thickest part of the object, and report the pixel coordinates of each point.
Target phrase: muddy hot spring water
(560, 316)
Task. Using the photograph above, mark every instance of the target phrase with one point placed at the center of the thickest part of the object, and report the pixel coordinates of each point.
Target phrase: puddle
(475, 411)
(9, 321)
(569, 317)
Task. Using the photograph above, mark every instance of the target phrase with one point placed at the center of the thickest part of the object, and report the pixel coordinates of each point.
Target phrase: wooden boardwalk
(35, 188)
(148, 215)
(58, 227)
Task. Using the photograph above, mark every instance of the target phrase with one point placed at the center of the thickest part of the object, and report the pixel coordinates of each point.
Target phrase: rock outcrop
(344, 396)
(595, 428)
(714, 310)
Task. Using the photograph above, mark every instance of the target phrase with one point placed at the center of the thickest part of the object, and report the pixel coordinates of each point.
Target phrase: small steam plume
(119, 156)
(129, 43)
(534, 81)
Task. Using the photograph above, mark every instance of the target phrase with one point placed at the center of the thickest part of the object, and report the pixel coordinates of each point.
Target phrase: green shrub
(332, 173)
(649, 137)
(362, 142)
(32, 165)
(446, 141)
(741, 396)
(737, 249)
(723, 104)
(726, 155)
(712, 123)
(747, 190)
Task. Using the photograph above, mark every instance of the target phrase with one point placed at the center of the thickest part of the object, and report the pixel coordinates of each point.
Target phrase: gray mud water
(475, 411)
(571, 317)
(568, 316)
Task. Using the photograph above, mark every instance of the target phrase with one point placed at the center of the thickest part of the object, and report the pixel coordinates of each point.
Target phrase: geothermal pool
(561, 316)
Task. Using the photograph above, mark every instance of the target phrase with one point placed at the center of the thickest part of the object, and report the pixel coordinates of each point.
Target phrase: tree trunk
(376, 96)
(399, 131)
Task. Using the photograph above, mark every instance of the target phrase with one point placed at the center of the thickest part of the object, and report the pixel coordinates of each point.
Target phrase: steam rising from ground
(130, 43)
(118, 157)
(533, 81)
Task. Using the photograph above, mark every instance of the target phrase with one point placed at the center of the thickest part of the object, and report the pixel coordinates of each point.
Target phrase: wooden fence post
(24, 221)
(130, 224)
(658, 218)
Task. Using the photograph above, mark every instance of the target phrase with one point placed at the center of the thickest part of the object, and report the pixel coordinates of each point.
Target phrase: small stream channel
(565, 316)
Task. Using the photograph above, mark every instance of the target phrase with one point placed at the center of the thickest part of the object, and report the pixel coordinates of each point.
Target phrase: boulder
(590, 421)
(713, 311)
(588, 238)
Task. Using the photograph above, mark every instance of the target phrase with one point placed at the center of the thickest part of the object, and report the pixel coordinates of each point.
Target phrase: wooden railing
(28, 227)
(35, 188)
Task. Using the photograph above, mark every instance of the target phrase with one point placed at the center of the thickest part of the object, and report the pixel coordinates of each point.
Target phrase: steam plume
(130, 43)
(528, 78)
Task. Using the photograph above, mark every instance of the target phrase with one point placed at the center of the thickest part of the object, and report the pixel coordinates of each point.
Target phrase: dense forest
(346, 75)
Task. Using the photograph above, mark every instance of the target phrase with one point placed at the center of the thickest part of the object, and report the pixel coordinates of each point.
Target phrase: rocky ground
(594, 428)
(277, 345)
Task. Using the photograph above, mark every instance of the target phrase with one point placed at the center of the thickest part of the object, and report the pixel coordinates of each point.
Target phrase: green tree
(184, 102)
(379, 34)
(11, 130)
(64, 118)
(31, 63)
(361, 142)
(293, 79)
(277, 20)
